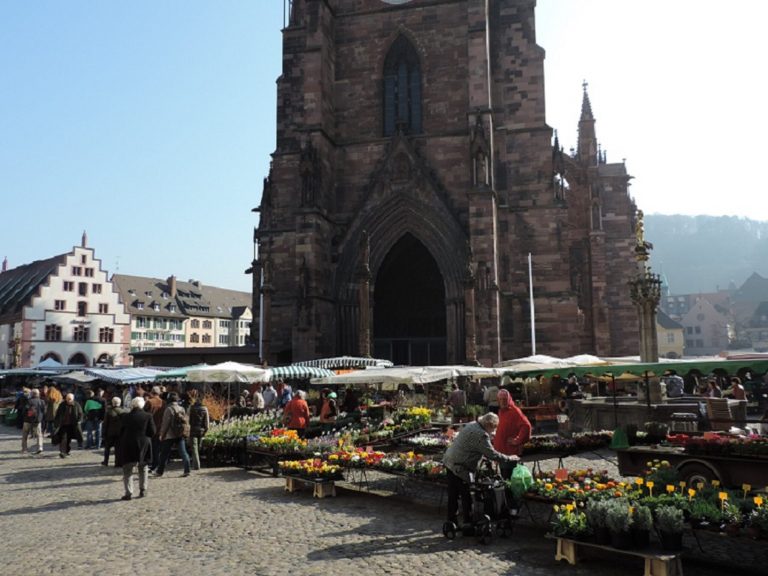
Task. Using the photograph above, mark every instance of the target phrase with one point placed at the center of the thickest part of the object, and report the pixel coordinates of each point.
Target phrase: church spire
(5, 265)
(587, 139)
(84, 240)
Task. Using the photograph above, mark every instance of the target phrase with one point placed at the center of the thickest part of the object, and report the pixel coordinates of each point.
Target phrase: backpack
(179, 422)
(30, 413)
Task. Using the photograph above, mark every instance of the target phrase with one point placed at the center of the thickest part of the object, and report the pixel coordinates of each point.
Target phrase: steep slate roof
(760, 317)
(666, 322)
(19, 285)
(755, 289)
(135, 289)
(192, 298)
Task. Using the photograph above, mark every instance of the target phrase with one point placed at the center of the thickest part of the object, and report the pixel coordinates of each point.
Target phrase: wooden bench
(657, 563)
(320, 488)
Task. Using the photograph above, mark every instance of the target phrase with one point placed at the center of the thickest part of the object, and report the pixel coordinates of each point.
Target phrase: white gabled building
(63, 308)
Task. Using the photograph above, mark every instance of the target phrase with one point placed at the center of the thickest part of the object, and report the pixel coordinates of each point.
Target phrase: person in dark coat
(112, 427)
(135, 446)
(199, 421)
(69, 416)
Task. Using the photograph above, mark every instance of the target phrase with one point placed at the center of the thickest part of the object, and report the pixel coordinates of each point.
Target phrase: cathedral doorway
(409, 313)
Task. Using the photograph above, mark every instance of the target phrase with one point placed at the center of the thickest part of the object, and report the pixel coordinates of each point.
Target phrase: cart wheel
(484, 530)
(449, 530)
(694, 473)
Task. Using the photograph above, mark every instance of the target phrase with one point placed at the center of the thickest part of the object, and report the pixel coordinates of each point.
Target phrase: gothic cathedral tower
(414, 173)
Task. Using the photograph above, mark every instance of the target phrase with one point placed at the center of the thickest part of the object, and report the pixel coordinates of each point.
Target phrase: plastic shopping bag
(521, 480)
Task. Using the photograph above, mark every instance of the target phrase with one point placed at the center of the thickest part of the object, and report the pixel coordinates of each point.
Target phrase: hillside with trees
(706, 253)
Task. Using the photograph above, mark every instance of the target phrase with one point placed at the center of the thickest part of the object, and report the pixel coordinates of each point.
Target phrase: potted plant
(618, 520)
(596, 512)
(704, 514)
(732, 519)
(757, 522)
(640, 526)
(670, 524)
(570, 522)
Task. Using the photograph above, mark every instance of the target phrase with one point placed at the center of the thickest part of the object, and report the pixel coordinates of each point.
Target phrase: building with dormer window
(64, 308)
(175, 314)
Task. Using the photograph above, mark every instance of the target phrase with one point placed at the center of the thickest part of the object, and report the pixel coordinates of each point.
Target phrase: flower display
(313, 468)
(414, 417)
(235, 429)
(355, 457)
(580, 485)
(577, 443)
(756, 447)
(414, 464)
(278, 440)
(437, 440)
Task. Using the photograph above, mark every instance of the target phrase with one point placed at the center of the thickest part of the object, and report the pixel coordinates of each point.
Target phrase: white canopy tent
(391, 377)
(228, 372)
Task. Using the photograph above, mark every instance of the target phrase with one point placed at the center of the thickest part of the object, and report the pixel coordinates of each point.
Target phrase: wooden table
(657, 562)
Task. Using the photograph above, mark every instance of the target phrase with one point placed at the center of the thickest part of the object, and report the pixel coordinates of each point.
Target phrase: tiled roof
(136, 290)
(666, 322)
(18, 285)
(192, 298)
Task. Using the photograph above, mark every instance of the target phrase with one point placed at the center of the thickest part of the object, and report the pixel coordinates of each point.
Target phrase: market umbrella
(228, 372)
(389, 377)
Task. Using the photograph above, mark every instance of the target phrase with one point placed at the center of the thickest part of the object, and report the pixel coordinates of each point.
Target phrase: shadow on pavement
(53, 507)
(229, 474)
(55, 474)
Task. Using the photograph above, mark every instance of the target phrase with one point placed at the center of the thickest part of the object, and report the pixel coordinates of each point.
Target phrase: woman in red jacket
(296, 413)
(513, 432)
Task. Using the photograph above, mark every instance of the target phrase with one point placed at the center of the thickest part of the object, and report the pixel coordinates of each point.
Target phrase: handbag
(56, 437)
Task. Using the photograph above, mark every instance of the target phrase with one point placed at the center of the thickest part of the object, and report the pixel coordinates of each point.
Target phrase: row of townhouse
(67, 308)
(173, 314)
(734, 318)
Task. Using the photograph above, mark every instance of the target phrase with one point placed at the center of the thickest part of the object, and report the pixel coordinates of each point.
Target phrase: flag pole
(533, 314)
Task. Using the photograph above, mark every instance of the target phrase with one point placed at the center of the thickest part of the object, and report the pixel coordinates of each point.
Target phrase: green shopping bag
(520, 481)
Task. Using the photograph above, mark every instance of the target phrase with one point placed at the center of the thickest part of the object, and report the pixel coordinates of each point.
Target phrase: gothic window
(402, 88)
(106, 335)
(80, 334)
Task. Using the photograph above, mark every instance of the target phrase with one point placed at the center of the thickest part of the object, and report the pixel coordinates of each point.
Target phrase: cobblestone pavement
(228, 521)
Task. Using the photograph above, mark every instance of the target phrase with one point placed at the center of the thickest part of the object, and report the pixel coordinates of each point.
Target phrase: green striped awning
(346, 362)
(300, 372)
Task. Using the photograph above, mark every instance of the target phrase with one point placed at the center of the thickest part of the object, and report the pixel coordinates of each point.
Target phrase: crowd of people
(140, 427)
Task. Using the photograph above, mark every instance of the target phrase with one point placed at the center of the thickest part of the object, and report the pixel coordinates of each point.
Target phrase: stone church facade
(413, 175)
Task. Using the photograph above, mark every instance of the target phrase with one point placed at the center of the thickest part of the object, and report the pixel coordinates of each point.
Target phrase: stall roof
(407, 375)
(345, 362)
(705, 366)
(123, 375)
(178, 373)
(298, 371)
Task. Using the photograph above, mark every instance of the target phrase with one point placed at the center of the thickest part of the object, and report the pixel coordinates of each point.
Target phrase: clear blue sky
(149, 124)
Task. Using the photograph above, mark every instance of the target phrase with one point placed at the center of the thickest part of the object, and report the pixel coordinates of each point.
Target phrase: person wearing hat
(328, 412)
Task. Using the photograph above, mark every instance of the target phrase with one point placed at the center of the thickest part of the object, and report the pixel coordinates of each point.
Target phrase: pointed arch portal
(409, 308)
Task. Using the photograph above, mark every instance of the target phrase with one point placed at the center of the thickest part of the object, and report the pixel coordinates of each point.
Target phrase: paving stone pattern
(221, 521)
